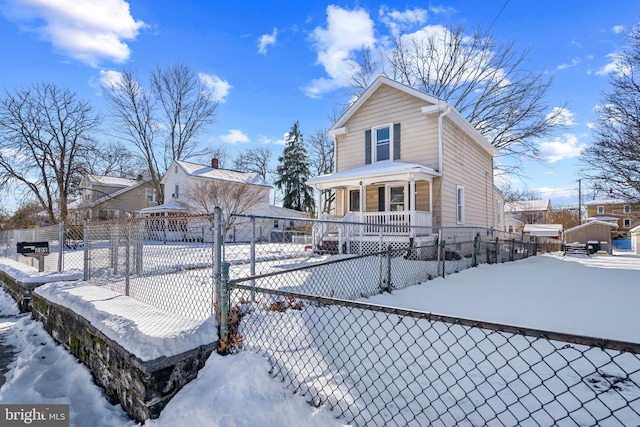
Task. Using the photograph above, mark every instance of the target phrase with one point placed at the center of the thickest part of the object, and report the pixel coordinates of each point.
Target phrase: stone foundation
(143, 388)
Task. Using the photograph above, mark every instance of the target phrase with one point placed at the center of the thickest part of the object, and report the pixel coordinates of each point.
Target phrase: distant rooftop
(610, 201)
(527, 206)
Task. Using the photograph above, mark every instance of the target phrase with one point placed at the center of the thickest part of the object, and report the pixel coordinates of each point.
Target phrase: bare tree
(486, 81)
(613, 159)
(256, 160)
(321, 161)
(568, 216)
(162, 123)
(232, 197)
(43, 129)
(110, 159)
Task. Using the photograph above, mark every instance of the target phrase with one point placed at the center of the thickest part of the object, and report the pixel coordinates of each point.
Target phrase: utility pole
(579, 202)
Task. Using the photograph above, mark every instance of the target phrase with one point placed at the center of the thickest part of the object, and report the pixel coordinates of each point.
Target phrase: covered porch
(382, 199)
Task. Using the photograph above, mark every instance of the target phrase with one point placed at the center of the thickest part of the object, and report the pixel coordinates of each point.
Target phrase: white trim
(338, 131)
(460, 206)
(600, 210)
(374, 143)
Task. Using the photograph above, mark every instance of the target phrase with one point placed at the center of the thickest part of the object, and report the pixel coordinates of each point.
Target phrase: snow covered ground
(594, 296)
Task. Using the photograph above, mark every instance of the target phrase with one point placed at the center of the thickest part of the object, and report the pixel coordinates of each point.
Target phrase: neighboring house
(529, 211)
(635, 239)
(407, 158)
(590, 232)
(513, 225)
(619, 211)
(543, 230)
(105, 198)
(184, 181)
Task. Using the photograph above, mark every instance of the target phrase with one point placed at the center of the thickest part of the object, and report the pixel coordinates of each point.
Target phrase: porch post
(412, 202)
(362, 198)
(431, 202)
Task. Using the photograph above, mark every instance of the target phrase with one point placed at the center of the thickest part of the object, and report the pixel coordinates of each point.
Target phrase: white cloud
(346, 32)
(109, 77)
(85, 30)
(614, 66)
(562, 117)
(573, 63)
(218, 88)
(565, 147)
(618, 29)
(395, 19)
(267, 40)
(234, 136)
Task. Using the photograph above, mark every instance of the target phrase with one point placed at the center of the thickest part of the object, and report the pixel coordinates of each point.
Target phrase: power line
(498, 15)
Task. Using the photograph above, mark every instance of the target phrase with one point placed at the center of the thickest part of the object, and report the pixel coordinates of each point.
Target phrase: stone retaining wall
(20, 292)
(143, 388)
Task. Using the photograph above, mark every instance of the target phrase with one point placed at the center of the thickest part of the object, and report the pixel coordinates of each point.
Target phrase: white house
(183, 180)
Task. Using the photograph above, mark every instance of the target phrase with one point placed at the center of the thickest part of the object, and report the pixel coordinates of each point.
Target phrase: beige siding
(419, 133)
(340, 205)
(422, 196)
(129, 201)
(466, 164)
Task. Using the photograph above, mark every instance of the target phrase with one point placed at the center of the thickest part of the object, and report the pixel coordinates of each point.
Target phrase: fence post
(60, 246)
(389, 268)
(476, 245)
(85, 243)
(139, 236)
(253, 257)
(513, 249)
(443, 249)
(498, 250)
(127, 258)
(224, 306)
(217, 259)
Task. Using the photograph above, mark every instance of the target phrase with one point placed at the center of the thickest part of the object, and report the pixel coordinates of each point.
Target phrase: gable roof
(136, 184)
(548, 230)
(611, 201)
(207, 172)
(591, 224)
(441, 105)
(109, 181)
(527, 205)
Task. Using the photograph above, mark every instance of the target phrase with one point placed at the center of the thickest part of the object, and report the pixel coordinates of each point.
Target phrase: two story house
(625, 214)
(106, 198)
(192, 189)
(407, 158)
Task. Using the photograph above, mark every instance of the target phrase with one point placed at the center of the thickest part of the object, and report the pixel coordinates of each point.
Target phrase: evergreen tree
(293, 172)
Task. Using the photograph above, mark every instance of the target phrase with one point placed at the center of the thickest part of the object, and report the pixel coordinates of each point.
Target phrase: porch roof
(375, 172)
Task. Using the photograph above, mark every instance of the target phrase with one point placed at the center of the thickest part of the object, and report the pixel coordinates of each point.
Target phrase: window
(176, 169)
(176, 193)
(396, 198)
(150, 195)
(626, 223)
(627, 209)
(354, 201)
(383, 143)
(511, 229)
(600, 210)
(499, 213)
(460, 205)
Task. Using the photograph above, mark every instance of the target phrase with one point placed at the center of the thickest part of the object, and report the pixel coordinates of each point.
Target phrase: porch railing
(400, 220)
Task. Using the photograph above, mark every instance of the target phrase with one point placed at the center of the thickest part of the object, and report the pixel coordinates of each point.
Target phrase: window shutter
(367, 147)
(396, 141)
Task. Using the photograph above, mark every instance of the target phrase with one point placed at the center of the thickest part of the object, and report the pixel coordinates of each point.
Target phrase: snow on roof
(527, 205)
(603, 218)
(372, 172)
(202, 171)
(590, 223)
(141, 329)
(549, 230)
(110, 181)
(171, 205)
(610, 201)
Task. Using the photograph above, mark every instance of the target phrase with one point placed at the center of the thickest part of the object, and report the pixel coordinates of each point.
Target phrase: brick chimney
(214, 163)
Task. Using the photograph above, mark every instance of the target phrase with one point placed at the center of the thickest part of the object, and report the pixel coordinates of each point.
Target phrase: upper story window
(150, 195)
(600, 210)
(626, 223)
(627, 209)
(382, 143)
(176, 192)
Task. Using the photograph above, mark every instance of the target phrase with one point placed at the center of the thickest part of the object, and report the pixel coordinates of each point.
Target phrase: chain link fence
(383, 366)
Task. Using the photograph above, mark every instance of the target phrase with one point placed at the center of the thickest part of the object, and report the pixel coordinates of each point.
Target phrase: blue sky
(272, 63)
